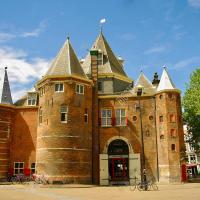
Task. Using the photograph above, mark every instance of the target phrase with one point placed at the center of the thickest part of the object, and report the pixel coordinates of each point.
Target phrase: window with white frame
(32, 168)
(79, 89)
(106, 117)
(63, 113)
(193, 158)
(32, 99)
(59, 87)
(18, 167)
(120, 117)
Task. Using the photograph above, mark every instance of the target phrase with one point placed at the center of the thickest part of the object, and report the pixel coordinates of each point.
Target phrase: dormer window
(59, 87)
(100, 59)
(32, 99)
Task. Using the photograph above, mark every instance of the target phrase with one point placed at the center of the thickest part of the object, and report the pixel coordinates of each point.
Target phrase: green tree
(191, 104)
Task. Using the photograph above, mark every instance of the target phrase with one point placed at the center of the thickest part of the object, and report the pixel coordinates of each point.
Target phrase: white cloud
(36, 32)
(156, 49)
(194, 61)
(6, 36)
(194, 3)
(22, 72)
(127, 36)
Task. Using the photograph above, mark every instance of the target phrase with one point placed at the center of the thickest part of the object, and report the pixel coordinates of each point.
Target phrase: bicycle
(18, 178)
(40, 179)
(134, 186)
(153, 186)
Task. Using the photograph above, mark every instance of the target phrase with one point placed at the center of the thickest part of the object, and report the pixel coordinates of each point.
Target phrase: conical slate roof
(145, 83)
(5, 93)
(165, 82)
(110, 62)
(66, 63)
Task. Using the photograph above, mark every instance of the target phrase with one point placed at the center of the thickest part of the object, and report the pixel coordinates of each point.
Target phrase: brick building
(88, 122)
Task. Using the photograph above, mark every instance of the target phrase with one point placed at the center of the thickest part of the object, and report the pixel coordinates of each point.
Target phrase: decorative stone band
(58, 136)
(73, 149)
(59, 162)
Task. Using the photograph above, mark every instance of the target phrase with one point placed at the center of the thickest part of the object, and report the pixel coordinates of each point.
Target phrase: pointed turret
(145, 83)
(107, 61)
(165, 82)
(66, 63)
(5, 93)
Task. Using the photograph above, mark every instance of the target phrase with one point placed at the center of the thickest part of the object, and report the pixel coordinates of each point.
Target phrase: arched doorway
(118, 161)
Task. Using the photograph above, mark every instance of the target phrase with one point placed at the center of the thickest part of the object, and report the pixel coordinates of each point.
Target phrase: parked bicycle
(144, 186)
(40, 179)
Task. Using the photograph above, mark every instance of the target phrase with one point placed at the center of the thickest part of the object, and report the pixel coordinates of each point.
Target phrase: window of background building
(79, 89)
(86, 115)
(32, 168)
(192, 158)
(106, 117)
(59, 87)
(161, 118)
(63, 113)
(18, 167)
(32, 99)
(120, 117)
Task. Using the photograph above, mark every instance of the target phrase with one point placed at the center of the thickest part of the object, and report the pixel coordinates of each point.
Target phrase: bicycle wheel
(132, 187)
(140, 187)
(154, 186)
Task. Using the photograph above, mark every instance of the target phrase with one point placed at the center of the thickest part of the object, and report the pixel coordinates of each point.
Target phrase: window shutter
(126, 121)
(27, 172)
(113, 121)
(99, 121)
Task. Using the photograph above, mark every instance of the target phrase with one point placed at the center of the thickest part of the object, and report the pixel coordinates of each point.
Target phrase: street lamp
(144, 179)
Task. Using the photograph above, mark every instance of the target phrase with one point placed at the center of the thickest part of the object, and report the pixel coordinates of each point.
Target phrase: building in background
(88, 122)
(193, 159)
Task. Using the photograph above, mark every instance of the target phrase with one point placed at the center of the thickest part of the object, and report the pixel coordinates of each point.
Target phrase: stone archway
(118, 163)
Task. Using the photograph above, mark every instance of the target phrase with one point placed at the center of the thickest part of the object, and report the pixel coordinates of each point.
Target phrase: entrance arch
(118, 151)
(118, 161)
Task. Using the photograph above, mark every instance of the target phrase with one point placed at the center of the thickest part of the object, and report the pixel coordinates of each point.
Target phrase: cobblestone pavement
(188, 191)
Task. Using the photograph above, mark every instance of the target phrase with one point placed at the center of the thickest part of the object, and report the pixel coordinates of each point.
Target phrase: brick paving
(88, 192)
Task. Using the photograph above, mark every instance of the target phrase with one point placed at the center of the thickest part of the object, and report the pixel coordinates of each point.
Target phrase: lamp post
(144, 180)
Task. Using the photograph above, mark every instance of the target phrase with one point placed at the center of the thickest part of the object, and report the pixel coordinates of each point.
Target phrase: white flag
(102, 21)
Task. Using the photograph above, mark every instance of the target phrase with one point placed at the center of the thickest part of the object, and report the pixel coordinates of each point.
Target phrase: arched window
(118, 147)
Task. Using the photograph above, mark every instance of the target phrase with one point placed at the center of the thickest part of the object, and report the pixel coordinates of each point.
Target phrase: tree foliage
(191, 104)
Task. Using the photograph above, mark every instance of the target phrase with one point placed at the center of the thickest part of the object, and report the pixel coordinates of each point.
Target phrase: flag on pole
(102, 21)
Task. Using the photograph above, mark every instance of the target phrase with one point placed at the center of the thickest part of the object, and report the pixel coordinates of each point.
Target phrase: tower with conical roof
(64, 136)
(5, 93)
(169, 129)
(111, 75)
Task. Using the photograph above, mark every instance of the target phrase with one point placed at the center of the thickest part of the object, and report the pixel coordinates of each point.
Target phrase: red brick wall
(6, 132)
(23, 143)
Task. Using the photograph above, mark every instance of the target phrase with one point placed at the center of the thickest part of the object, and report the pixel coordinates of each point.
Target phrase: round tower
(64, 135)
(169, 129)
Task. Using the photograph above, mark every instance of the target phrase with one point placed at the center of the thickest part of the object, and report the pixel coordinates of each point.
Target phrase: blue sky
(146, 33)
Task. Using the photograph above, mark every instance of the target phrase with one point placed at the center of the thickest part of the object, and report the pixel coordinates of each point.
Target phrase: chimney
(155, 81)
(94, 65)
